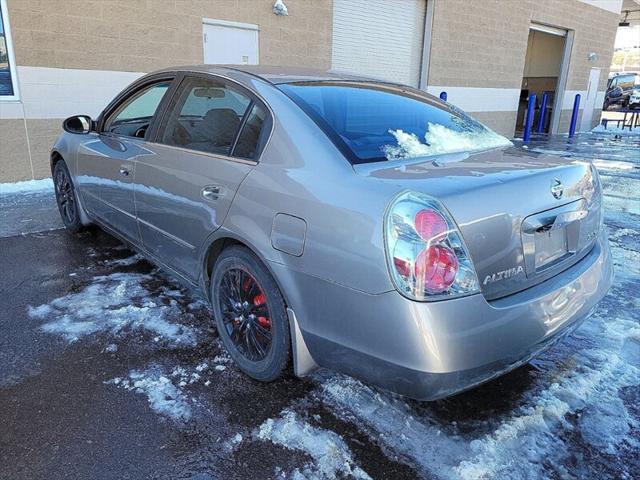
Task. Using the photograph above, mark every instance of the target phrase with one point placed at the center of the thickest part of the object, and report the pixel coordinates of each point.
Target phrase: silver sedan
(342, 222)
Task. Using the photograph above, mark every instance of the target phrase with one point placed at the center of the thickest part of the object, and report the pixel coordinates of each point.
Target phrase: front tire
(250, 314)
(66, 197)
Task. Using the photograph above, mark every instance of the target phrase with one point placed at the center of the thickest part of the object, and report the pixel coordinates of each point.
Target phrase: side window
(249, 138)
(205, 115)
(614, 83)
(133, 116)
(626, 82)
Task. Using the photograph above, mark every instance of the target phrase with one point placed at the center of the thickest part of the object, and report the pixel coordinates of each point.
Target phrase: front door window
(133, 117)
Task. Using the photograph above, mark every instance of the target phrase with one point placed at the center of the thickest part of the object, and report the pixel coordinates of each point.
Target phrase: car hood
(496, 197)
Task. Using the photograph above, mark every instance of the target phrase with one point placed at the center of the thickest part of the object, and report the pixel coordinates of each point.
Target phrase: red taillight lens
(430, 225)
(425, 252)
(436, 267)
(403, 267)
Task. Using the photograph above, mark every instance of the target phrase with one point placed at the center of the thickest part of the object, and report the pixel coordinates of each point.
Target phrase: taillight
(425, 252)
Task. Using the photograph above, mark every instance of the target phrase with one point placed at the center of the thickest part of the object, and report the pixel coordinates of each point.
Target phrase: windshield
(371, 122)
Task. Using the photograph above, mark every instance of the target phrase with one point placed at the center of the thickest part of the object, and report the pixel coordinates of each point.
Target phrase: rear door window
(204, 115)
(252, 134)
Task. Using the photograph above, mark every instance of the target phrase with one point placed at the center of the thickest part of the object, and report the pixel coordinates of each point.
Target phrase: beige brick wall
(141, 36)
(145, 35)
(15, 163)
(484, 43)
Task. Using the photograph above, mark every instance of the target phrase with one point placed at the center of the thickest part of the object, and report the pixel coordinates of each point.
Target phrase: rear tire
(250, 314)
(66, 197)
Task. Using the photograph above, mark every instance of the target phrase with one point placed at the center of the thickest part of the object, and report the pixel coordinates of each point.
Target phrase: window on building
(8, 89)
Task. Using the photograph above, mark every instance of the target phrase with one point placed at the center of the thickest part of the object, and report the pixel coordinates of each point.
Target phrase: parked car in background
(620, 88)
(331, 220)
(634, 98)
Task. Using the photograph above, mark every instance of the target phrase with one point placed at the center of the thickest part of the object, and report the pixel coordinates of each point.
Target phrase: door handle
(211, 192)
(124, 171)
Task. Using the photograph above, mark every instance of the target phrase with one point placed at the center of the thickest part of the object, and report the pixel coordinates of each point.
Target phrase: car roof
(273, 74)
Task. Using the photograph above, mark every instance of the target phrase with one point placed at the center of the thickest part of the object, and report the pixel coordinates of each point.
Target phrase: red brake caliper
(258, 300)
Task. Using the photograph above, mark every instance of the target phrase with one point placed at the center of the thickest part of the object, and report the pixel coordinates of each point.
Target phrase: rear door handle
(124, 171)
(211, 192)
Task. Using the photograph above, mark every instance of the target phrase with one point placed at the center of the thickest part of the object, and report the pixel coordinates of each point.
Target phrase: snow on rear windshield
(372, 122)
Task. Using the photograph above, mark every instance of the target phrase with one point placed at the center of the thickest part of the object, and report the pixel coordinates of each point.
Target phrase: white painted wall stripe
(570, 95)
(474, 99)
(59, 93)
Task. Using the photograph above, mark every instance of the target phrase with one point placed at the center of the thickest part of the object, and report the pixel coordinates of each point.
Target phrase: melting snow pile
(164, 397)
(26, 186)
(113, 303)
(331, 456)
(616, 130)
(439, 140)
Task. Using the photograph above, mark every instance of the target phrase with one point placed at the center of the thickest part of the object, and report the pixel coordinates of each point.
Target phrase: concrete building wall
(483, 44)
(73, 56)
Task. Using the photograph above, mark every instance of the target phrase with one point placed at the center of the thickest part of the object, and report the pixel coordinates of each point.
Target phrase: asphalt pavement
(112, 369)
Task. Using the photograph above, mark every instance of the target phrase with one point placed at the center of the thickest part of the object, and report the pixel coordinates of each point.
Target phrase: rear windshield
(371, 122)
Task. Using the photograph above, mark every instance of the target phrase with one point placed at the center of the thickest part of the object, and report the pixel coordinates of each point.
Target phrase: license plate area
(550, 247)
(553, 237)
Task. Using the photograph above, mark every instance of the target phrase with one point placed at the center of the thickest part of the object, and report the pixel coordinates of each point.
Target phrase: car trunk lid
(524, 216)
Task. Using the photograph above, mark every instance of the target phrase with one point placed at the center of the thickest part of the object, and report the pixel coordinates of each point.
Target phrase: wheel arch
(54, 158)
(303, 362)
(214, 248)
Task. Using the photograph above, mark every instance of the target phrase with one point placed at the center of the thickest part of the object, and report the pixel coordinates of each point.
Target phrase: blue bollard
(574, 116)
(543, 111)
(443, 96)
(528, 119)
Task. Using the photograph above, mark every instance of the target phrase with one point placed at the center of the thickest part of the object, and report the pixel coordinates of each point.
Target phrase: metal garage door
(379, 38)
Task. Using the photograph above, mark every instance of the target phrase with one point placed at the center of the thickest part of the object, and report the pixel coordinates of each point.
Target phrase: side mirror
(78, 124)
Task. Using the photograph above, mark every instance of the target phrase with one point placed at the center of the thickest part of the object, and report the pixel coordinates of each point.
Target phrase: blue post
(574, 116)
(528, 119)
(543, 111)
(443, 96)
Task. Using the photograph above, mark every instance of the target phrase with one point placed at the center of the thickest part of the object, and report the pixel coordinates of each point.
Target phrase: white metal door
(379, 38)
(590, 100)
(230, 42)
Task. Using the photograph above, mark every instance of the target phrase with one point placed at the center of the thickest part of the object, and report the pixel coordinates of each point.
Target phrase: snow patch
(616, 130)
(27, 186)
(113, 303)
(442, 140)
(331, 455)
(163, 396)
(612, 165)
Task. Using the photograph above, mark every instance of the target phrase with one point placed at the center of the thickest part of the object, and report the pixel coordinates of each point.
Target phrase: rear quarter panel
(302, 174)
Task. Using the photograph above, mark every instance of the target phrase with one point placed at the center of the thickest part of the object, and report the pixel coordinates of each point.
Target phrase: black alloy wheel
(250, 314)
(245, 313)
(66, 197)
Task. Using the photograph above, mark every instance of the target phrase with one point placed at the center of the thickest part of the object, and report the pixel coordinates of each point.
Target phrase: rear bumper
(431, 350)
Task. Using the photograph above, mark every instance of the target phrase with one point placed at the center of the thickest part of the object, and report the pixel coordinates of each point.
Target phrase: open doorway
(543, 74)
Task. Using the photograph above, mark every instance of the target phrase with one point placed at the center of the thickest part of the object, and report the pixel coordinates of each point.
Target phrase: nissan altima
(338, 221)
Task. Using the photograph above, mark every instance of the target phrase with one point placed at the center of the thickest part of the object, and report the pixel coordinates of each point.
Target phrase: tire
(605, 107)
(66, 197)
(243, 317)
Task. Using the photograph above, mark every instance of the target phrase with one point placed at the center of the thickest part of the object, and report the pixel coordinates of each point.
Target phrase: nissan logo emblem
(556, 188)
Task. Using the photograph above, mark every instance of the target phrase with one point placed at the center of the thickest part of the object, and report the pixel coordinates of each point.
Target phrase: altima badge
(556, 188)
